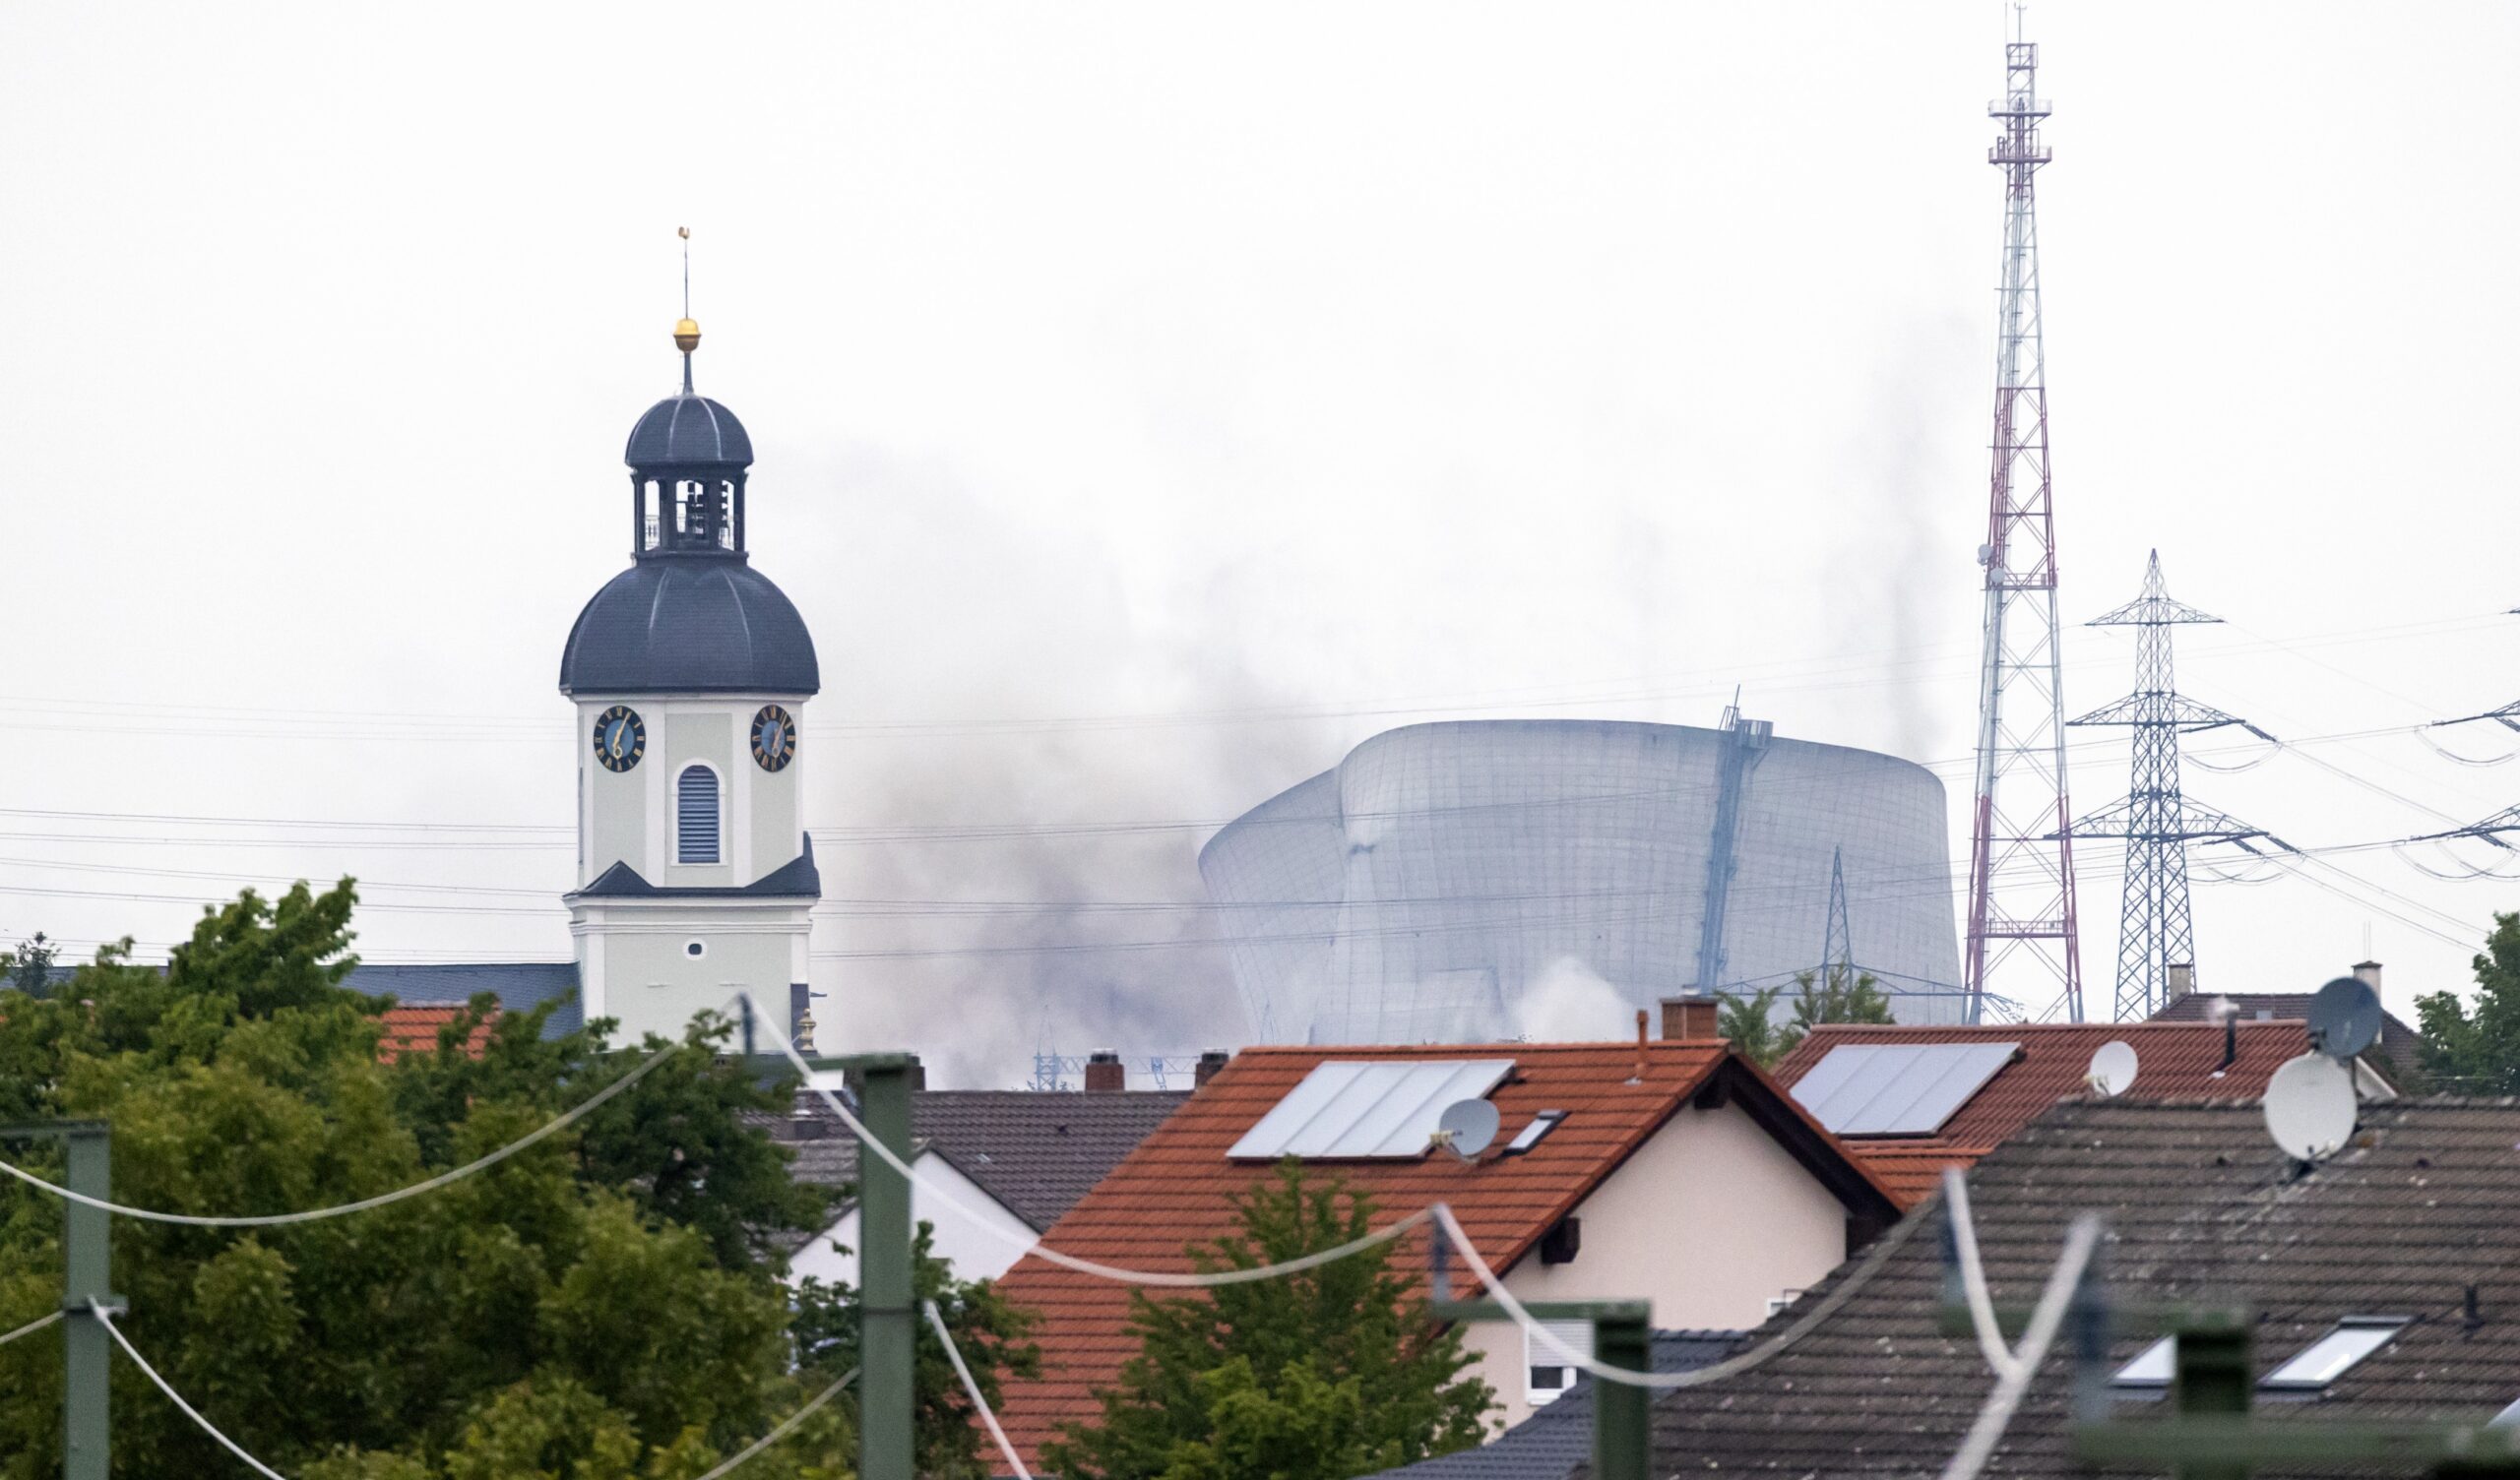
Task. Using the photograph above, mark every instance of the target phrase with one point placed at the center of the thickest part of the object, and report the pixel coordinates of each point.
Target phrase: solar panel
(1897, 1089)
(1346, 1110)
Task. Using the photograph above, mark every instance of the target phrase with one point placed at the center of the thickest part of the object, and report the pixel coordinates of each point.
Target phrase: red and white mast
(2021, 944)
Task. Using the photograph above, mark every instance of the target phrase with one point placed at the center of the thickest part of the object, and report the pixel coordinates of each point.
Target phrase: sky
(1151, 402)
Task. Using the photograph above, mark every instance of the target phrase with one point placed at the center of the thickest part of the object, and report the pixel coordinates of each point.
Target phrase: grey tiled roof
(2400, 1045)
(1557, 1441)
(1037, 1152)
(2200, 1208)
(520, 986)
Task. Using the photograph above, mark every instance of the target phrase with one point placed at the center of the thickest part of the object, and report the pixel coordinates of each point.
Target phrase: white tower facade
(690, 672)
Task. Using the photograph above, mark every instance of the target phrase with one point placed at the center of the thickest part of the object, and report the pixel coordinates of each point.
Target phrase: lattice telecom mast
(2158, 823)
(2021, 853)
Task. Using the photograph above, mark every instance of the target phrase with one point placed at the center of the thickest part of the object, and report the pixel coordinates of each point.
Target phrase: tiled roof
(1173, 1189)
(1557, 1441)
(2200, 1208)
(2174, 1061)
(414, 1029)
(1036, 1152)
(2400, 1044)
(520, 986)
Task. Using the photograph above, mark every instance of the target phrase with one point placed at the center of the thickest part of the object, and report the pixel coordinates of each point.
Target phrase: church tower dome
(689, 671)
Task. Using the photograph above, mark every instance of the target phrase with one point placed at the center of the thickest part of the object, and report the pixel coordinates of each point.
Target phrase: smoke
(1569, 1003)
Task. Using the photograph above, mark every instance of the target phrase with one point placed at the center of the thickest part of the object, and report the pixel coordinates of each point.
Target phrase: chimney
(917, 1075)
(1103, 1073)
(1210, 1062)
(2182, 980)
(1689, 1019)
(2367, 973)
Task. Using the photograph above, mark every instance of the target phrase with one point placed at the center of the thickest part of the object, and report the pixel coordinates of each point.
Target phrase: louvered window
(696, 816)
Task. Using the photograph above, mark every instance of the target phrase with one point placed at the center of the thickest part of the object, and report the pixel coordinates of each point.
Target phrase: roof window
(2333, 1355)
(1351, 1110)
(1897, 1089)
(2151, 1366)
(1529, 1137)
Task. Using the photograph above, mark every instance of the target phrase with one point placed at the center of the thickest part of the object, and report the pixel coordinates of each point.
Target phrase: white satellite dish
(2112, 1068)
(2345, 1018)
(1467, 1128)
(2310, 1108)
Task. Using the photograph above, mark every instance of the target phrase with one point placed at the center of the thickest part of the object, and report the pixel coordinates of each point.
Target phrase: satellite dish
(2112, 1068)
(2309, 1106)
(1467, 1128)
(2345, 1018)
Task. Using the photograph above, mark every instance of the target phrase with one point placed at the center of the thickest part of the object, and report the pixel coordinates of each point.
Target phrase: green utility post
(86, 1259)
(887, 1307)
(1622, 1337)
(2213, 1375)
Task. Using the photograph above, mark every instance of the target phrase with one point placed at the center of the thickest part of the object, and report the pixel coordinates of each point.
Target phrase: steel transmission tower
(1837, 941)
(2158, 823)
(2021, 852)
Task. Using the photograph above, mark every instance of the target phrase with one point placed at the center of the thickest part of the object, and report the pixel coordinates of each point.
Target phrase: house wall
(982, 1247)
(1709, 1220)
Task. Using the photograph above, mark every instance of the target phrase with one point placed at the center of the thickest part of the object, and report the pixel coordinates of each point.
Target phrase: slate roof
(2174, 1061)
(688, 429)
(1037, 1152)
(2200, 1206)
(702, 622)
(1557, 1441)
(2400, 1045)
(1173, 1189)
(520, 986)
(795, 878)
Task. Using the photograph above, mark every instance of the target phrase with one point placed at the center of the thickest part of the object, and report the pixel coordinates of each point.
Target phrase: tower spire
(2021, 863)
(686, 330)
(2155, 930)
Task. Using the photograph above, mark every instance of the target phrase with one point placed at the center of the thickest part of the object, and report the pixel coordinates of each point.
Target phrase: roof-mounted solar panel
(1346, 1110)
(1897, 1089)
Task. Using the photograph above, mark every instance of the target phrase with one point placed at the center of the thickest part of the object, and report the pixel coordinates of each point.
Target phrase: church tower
(690, 672)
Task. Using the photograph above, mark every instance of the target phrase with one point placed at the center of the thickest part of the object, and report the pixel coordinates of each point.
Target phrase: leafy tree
(1750, 1023)
(1332, 1371)
(604, 1305)
(1837, 995)
(2477, 1051)
(30, 965)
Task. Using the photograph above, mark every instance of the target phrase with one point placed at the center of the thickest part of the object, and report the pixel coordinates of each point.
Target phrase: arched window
(696, 815)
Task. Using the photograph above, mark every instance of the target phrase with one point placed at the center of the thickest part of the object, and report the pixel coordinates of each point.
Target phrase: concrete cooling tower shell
(1427, 887)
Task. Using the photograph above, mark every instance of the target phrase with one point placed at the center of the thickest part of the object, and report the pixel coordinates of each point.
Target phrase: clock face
(774, 737)
(620, 737)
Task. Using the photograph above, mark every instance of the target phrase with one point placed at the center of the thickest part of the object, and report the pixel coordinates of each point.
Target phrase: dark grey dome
(688, 429)
(707, 624)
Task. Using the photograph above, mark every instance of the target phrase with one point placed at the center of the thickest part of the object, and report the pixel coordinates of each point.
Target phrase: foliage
(28, 967)
(987, 1330)
(1332, 1371)
(2477, 1051)
(1839, 995)
(602, 1306)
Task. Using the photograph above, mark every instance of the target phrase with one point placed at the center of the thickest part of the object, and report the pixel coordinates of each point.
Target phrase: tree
(30, 965)
(1320, 1374)
(2478, 1051)
(1837, 995)
(604, 1305)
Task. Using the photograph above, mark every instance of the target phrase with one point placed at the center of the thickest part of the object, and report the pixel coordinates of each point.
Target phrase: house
(1558, 1440)
(1673, 1170)
(2385, 1283)
(2398, 1056)
(1909, 1100)
(1008, 1163)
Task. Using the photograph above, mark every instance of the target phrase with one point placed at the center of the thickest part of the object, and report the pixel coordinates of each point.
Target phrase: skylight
(1897, 1089)
(1348, 1110)
(2151, 1366)
(1529, 1135)
(2331, 1356)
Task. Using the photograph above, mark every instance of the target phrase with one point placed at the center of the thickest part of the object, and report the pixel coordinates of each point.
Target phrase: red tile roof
(2173, 1061)
(1172, 1189)
(414, 1029)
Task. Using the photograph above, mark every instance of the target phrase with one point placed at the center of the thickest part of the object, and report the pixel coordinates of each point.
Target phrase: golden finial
(686, 330)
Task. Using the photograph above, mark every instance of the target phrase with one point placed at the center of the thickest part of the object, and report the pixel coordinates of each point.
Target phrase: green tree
(30, 966)
(1750, 1023)
(604, 1305)
(1837, 995)
(1332, 1371)
(2477, 1050)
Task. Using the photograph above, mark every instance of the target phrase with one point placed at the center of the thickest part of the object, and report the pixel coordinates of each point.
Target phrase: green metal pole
(1621, 1411)
(86, 1249)
(2213, 1375)
(887, 1327)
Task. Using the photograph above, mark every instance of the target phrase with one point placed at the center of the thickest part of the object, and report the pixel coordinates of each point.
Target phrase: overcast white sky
(1153, 400)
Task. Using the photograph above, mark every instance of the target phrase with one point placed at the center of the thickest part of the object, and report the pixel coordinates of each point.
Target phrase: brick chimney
(1210, 1062)
(1103, 1073)
(1690, 1019)
(2368, 973)
(2182, 980)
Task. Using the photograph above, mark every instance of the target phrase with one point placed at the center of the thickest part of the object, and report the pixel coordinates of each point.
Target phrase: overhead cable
(1973, 1273)
(970, 1386)
(2047, 1318)
(30, 1327)
(106, 1320)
